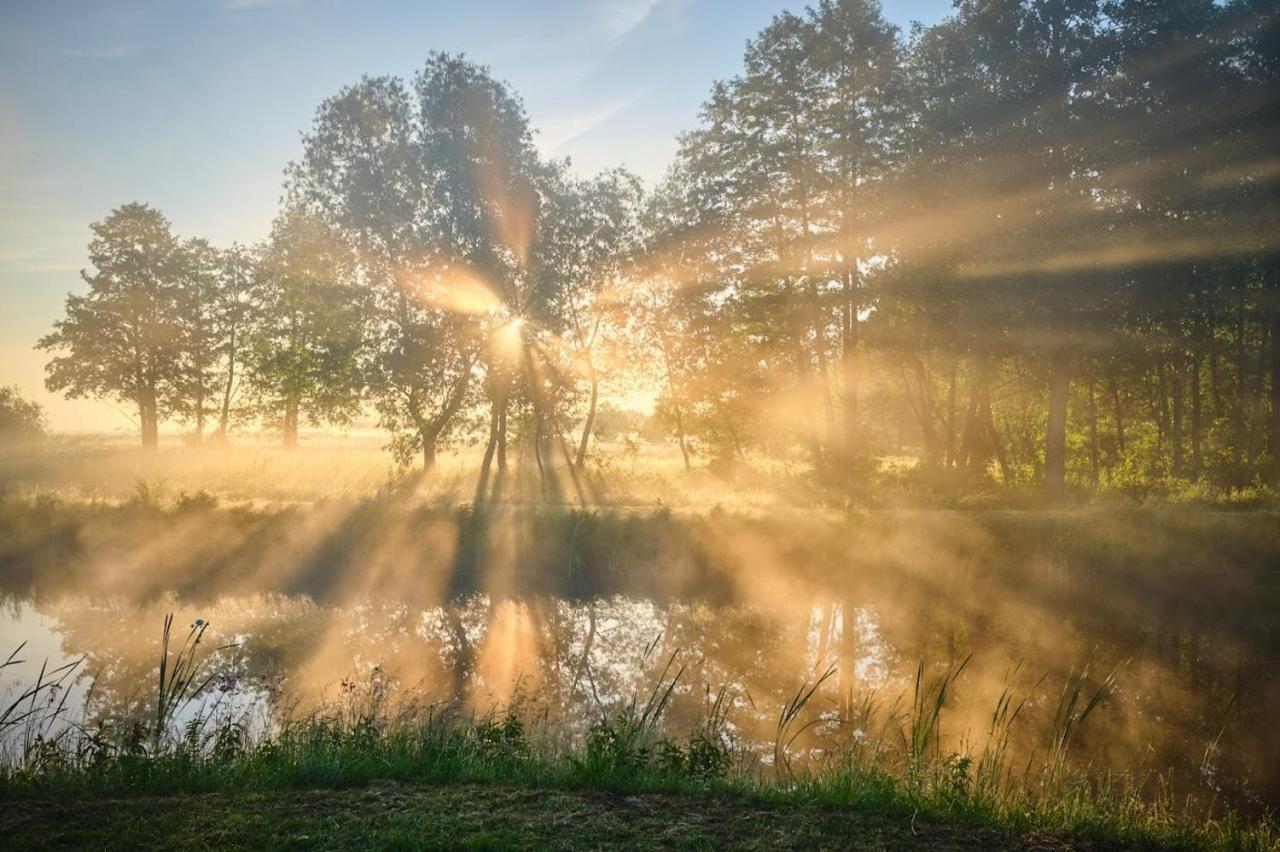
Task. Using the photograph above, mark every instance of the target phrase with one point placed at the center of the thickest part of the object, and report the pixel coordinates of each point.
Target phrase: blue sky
(195, 107)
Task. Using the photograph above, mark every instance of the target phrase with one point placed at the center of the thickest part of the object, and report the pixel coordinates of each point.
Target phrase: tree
(21, 419)
(363, 171)
(863, 123)
(306, 340)
(123, 339)
(233, 313)
(595, 227)
(199, 285)
(1255, 33)
(437, 188)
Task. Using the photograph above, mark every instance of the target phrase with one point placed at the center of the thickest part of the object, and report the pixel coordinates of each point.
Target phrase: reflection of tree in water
(759, 607)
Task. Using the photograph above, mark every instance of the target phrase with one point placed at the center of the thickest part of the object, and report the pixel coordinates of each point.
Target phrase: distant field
(253, 469)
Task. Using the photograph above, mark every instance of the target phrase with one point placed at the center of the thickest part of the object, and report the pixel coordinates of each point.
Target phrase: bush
(21, 419)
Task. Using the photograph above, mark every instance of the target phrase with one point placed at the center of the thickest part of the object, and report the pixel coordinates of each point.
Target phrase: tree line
(1036, 242)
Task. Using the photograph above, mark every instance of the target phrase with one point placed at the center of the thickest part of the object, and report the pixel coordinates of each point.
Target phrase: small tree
(21, 419)
(308, 332)
(199, 295)
(232, 316)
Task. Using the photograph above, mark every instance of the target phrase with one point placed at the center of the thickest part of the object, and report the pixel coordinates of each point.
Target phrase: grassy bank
(474, 816)
(486, 785)
(376, 773)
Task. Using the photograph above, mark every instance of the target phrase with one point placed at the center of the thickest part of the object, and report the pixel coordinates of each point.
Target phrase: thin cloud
(620, 17)
(557, 134)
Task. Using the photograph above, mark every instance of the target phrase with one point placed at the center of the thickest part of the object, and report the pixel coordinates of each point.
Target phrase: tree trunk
(973, 454)
(981, 441)
(1117, 407)
(1197, 418)
(148, 419)
(1239, 474)
(1093, 434)
(1273, 421)
(581, 459)
(1175, 425)
(675, 405)
(804, 381)
(290, 423)
(1162, 408)
(428, 453)
(502, 438)
(199, 436)
(1055, 445)
(482, 485)
(997, 446)
(680, 438)
(923, 409)
(225, 416)
(849, 367)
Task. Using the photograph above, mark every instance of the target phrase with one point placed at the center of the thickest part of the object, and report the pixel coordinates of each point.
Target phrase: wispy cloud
(620, 17)
(247, 5)
(560, 132)
(120, 51)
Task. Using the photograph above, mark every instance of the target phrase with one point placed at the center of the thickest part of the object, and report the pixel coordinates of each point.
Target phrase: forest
(1033, 245)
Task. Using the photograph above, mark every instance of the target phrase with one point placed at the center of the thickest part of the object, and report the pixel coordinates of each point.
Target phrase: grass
(376, 771)
(402, 780)
(483, 816)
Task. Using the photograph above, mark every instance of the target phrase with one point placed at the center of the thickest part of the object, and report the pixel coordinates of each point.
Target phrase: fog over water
(565, 616)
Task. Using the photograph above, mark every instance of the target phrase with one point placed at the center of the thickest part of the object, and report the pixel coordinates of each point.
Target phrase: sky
(195, 107)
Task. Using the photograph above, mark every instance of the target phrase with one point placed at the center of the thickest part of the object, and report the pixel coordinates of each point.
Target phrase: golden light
(457, 289)
(509, 337)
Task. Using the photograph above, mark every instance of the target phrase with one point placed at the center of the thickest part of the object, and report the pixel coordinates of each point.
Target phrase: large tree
(123, 338)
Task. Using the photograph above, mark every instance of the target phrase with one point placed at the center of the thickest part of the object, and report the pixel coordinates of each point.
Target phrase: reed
(364, 737)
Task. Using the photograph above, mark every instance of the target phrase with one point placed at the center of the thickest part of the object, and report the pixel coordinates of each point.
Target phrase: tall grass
(178, 673)
(992, 773)
(369, 734)
(1072, 711)
(791, 724)
(923, 729)
(38, 706)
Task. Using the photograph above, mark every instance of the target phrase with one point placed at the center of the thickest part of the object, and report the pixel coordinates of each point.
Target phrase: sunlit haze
(196, 107)
(640, 424)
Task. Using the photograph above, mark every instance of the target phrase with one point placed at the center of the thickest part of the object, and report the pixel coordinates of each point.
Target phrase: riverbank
(475, 816)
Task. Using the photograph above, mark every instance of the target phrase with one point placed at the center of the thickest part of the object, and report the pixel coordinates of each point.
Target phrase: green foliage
(307, 330)
(21, 419)
(1030, 246)
(123, 339)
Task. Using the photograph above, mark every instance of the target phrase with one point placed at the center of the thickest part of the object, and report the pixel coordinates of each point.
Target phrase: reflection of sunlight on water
(871, 666)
